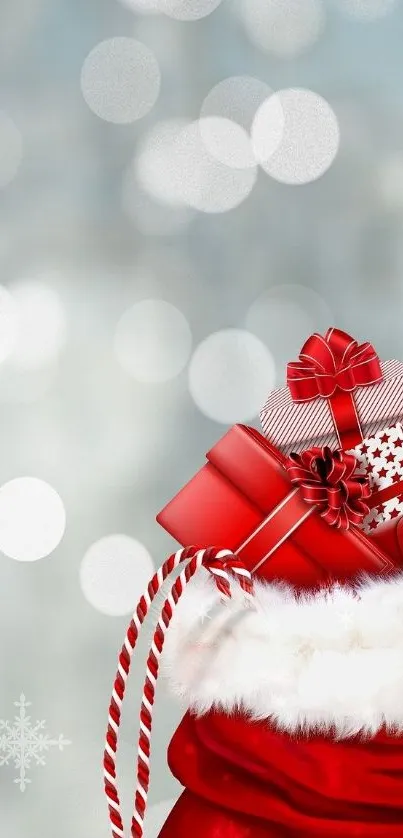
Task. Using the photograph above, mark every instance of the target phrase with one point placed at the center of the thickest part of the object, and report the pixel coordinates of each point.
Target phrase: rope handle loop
(220, 563)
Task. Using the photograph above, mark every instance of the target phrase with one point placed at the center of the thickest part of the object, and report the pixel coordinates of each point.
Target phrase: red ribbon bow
(331, 367)
(333, 362)
(327, 479)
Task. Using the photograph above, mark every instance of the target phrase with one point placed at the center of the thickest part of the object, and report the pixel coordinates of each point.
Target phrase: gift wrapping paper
(295, 427)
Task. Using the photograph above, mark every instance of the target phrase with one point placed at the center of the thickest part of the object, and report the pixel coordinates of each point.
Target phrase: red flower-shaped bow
(331, 363)
(327, 479)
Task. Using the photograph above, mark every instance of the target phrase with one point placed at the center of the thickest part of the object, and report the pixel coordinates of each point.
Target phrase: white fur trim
(330, 660)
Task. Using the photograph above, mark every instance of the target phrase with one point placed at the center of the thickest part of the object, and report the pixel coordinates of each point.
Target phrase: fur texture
(330, 660)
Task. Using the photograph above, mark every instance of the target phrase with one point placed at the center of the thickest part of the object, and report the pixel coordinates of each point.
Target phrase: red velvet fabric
(244, 779)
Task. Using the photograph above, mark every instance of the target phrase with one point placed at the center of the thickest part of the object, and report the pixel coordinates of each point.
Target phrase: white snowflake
(21, 741)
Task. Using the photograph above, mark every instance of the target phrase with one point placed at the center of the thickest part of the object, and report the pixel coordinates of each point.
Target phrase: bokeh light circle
(120, 80)
(11, 149)
(268, 129)
(227, 142)
(230, 374)
(309, 135)
(153, 341)
(149, 216)
(188, 9)
(157, 165)
(227, 115)
(203, 182)
(367, 10)
(114, 573)
(390, 181)
(147, 7)
(285, 28)
(8, 323)
(283, 317)
(25, 386)
(32, 519)
(41, 324)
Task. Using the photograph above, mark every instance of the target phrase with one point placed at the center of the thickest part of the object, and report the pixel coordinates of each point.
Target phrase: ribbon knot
(331, 363)
(327, 479)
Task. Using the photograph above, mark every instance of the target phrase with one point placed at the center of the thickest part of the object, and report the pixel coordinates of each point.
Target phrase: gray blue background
(62, 220)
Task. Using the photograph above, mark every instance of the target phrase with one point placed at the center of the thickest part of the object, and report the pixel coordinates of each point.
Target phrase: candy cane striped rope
(219, 563)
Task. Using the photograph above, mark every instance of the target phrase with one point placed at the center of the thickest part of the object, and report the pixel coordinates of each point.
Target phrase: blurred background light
(32, 519)
(41, 332)
(283, 317)
(205, 183)
(188, 9)
(268, 128)
(230, 374)
(182, 163)
(120, 80)
(307, 144)
(8, 323)
(148, 215)
(170, 175)
(283, 27)
(226, 142)
(157, 165)
(153, 341)
(20, 386)
(227, 114)
(367, 10)
(114, 573)
(143, 6)
(11, 149)
(390, 181)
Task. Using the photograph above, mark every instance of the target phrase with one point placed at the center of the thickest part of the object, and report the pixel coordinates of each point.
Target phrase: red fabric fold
(245, 779)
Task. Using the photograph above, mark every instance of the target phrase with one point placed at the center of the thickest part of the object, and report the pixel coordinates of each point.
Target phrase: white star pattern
(380, 458)
(21, 741)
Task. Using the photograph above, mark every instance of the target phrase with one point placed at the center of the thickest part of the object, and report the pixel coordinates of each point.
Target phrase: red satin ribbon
(327, 480)
(332, 367)
(395, 490)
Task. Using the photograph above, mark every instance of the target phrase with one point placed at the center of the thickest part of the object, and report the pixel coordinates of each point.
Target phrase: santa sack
(295, 719)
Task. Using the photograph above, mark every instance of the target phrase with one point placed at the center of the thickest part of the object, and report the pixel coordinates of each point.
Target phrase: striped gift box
(297, 426)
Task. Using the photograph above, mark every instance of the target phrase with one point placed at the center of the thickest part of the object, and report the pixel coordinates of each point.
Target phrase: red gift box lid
(389, 537)
(230, 497)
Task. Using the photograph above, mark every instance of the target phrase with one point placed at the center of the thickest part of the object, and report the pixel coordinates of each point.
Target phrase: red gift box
(338, 394)
(243, 499)
(389, 537)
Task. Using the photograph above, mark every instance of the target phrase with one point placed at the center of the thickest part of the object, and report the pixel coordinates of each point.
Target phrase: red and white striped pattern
(220, 563)
(295, 427)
